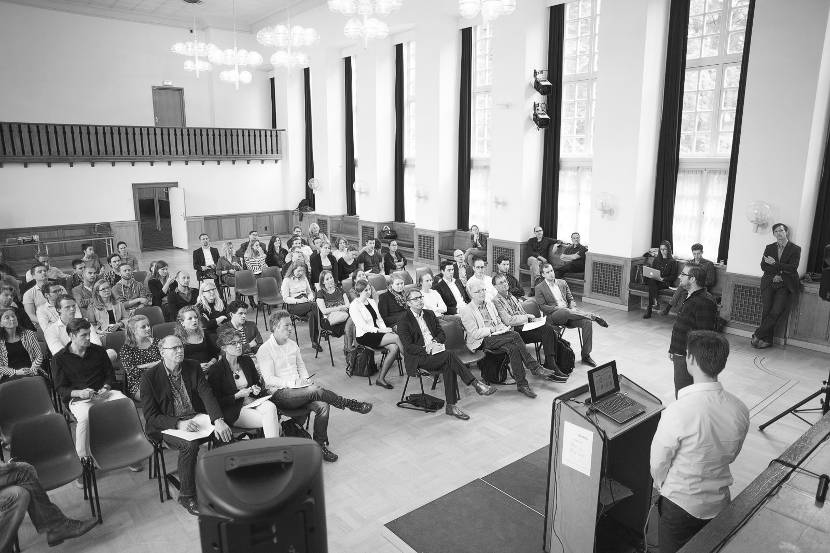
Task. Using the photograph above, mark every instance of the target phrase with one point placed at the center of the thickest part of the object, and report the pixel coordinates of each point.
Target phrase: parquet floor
(392, 461)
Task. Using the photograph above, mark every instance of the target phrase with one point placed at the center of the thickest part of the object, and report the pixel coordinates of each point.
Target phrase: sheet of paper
(205, 429)
(533, 324)
(577, 443)
(257, 402)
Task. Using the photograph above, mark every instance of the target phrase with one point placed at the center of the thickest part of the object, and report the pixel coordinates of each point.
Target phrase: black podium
(599, 484)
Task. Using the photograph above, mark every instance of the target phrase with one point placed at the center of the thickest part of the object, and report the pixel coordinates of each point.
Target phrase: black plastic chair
(153, 313)
(20, 400)
(116, 440)
(46, 443)
(268, 291)
(163, 329)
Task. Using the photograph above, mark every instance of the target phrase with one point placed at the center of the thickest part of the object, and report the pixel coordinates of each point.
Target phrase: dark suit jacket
(544, 297)
(409, 331)
(199, 260)
(317, 268)
(157, 396)
(787, 266)
(220, 378)
(468, 271)
(443, 290)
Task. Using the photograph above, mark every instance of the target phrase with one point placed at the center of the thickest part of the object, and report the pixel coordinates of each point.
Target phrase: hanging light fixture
(196, 51)
(363, 25)
(489, 9)
(236, 57)
(286, 38)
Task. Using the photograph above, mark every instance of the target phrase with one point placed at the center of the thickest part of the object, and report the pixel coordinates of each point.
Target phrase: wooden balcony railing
(59, 143)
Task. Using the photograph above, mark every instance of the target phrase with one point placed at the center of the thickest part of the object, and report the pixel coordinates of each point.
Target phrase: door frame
(141, 185)
(184, 115)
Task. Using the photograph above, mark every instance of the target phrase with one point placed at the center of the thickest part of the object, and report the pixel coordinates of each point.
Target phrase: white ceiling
(250, 14)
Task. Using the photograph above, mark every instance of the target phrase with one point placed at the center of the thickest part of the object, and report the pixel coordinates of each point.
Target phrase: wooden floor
(392, 460)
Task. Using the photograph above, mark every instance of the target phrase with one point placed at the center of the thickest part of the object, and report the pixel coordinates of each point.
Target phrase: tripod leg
(791, 409)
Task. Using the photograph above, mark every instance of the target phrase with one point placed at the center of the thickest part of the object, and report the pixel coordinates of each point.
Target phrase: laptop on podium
(604, 385)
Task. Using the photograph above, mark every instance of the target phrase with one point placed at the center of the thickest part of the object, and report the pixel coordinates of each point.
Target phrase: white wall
(62, 195)
(66, 68)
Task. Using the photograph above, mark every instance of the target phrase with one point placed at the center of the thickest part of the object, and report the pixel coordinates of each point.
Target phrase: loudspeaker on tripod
(263, 496)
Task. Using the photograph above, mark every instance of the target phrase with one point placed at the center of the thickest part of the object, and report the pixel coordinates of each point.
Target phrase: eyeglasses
(235, 344)
(685, 274)
(175, 347)
(478, 266)
(209, 290)
(417, 298)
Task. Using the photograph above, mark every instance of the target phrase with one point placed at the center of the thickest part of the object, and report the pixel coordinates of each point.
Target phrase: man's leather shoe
(763, 344)
(647, 314)
(454, 411)
(754, 341)
(558, 377)
(361, 407)
(328, 455)
(190, 504)
(600, 321)
(539, 370)
(586, 359)
(483, 389)
(526, 390)
(69, 529)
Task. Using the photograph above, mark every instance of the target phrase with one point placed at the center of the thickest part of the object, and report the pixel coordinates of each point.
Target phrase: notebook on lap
(604, 385)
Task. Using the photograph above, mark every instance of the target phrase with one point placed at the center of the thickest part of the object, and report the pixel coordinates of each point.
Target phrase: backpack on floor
(564, 355)
(494, 367)
(361, 362)
(292, 429)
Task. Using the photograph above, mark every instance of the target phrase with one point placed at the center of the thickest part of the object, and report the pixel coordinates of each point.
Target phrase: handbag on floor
(293, 429)
(361, 362)
(494, 367)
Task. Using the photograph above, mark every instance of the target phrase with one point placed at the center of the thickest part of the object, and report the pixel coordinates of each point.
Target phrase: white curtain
(574, 203)
(480, 197)
(698, 210)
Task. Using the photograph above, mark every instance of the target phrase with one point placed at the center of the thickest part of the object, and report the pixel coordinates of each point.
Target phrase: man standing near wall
(778, 285)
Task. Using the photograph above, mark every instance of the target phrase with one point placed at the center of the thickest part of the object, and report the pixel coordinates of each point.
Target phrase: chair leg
(95, 489)
(403, 392)
(331, 355)
(164, 474)
(382, 359)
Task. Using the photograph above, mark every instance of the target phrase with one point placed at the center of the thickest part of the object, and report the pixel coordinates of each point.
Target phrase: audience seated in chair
(212, 311)
(236, 383)
(333, 306)
(159, 282)
(255, 258)
(503, 268)
(452, 292)
(323, 261)
(7, 301)
(573, 257)
(480, 276)
(666, 264)
(205, 259)
(555, 300)
(125, 256)
(52, 273)
(111, 272)
(478, 245)
(538, 250)
(371, 330)
(76, 278)
(89, 256)
(393, 260)
(131, 293)
(275, 253)
(246, 330)
(180, 294)
(348, 265)
(433, 300)
(253, 236)
(198, 346)
(423, 348)
(227, 266)
(57, 335)
(173, 391)
(708, 267)
(392, 303)
(485, 331)
(83, 377)
(286, 377)
(105, 313)
(20, 354)
(46, 313)
(370, 260)
(21, 491)
(463, 270)
(83, 292)
(299, 300)
(34, 296)
(139, 352)
(512, 313)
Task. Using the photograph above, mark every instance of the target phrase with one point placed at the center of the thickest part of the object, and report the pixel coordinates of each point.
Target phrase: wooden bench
(576, 281)
(638, 288)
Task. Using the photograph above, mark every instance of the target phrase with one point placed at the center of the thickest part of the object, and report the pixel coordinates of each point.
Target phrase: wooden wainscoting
(235, 226)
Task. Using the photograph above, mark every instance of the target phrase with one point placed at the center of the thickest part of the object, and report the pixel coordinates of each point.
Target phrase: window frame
(482, 118)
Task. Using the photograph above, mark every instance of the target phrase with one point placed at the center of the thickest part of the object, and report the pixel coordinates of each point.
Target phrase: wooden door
(168, 106)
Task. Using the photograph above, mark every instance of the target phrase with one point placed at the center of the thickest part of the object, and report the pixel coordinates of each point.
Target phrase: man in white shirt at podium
(698, 437)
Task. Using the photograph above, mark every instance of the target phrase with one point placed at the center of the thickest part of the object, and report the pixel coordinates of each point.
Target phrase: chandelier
(235, 57)
(286, 38)
(196, 51)
(489, 9)
(365, 26)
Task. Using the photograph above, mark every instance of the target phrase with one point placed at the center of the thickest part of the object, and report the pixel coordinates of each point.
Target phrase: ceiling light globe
(468, 8)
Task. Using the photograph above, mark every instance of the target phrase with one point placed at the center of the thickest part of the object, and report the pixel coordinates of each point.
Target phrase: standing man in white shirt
(698, 437)
(286, 377)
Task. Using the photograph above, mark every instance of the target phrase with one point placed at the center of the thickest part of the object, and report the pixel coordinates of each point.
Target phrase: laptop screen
(603, 380)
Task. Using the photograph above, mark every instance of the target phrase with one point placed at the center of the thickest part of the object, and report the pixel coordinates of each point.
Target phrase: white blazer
(363, 319)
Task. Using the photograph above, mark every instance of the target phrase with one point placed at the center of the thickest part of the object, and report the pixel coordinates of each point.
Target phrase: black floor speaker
(263, 496)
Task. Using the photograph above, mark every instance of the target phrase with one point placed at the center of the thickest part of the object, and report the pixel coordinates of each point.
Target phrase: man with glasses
(513, 314)
(47, 314)
(423, 348)
(246, 330)
(173, 392)
(538, 250)
(483, 278)
(462, 270)
(557, 303)
(698, 312)
(253, 236)
(503, 269)
(486, 331)
(284, 373)
(57, 335)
